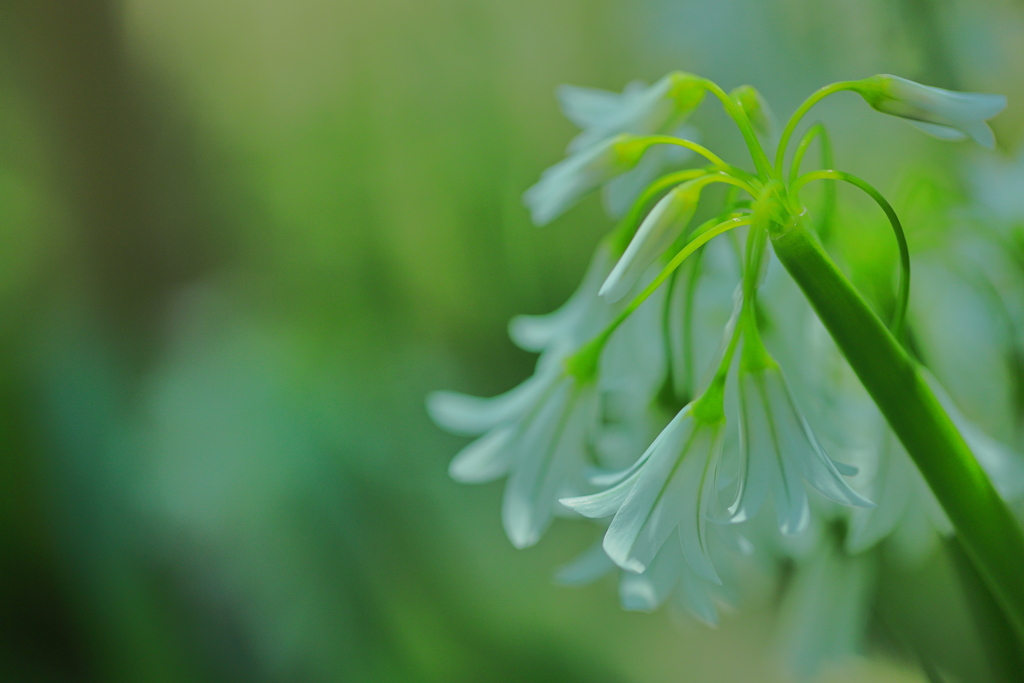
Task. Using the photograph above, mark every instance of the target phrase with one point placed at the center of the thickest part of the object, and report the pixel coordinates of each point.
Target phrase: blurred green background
(241, 240)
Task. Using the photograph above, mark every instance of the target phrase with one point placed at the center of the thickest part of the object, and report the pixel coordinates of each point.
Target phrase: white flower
(662, 226)
(907, 511)
(638, 110)
(565, 183)
(943, 113)
(780, 453)
(578, 319)
(542, 434)
(825, 610)
(619, 194)
(669, 488)
(600, 153)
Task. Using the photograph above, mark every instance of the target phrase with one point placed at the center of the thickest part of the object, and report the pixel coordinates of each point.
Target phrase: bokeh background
(240, 240)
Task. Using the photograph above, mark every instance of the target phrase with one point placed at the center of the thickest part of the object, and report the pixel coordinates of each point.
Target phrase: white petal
(826, 608)
(891, 489)
(588, 107)
(647, 494)
(551, 450)
(673, 490)
(646, 592)
(940, 132)
(697, 491)
(695, 595)
(537, 332)
(565, 183)
(604, 503)
(472, 415)
(485, 459)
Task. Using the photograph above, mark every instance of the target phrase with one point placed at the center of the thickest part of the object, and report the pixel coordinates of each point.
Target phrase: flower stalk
(991, 536)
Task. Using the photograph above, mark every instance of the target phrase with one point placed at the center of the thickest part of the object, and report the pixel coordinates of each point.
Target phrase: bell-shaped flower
(825, 611)
(638, 110)
(943, 113)
(659, 229)
(780, 452)
(542, 434)
(538, 435)
(565, 183)
(669, 488)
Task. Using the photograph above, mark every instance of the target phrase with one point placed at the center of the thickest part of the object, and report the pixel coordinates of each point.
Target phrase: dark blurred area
(241, 241)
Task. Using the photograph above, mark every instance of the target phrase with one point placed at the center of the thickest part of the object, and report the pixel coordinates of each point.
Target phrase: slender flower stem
(815, 131)
(991, 535)
(903, 292)
(737, 114)
(649, 140)
(787, 133)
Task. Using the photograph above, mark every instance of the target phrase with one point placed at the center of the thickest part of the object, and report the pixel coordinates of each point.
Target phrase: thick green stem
(990, 535)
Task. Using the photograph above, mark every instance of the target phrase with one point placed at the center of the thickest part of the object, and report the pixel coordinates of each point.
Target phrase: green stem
(737, 114)
(794, 120)
(991, 536)
(649, 140)
(903, 291)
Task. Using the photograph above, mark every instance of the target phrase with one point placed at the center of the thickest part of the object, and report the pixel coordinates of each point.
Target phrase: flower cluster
(657, 405)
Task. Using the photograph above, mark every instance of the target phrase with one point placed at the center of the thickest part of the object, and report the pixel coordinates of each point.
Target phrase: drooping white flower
(780, 453)
(945, 114)
(600, 155)
(670, 488)
(825, 610)
(549, 454)
(537, 435)
(543, 433)
(661, 227)
(565, 183)
(638, 110)
(579, 318)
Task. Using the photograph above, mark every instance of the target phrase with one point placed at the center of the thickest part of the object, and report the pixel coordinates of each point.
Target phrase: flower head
(780, 453)
(669, 489)
(943, 113)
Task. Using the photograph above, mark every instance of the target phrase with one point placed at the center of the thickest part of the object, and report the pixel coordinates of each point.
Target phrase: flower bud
(943, 113)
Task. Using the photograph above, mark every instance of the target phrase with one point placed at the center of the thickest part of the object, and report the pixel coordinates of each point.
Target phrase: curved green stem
(794, 120)
(816, 130)
(649, 140)
(903, 292)
(990, 534)
(737, 114)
